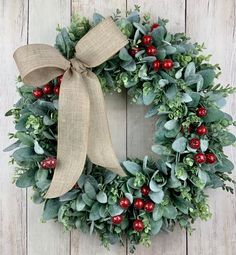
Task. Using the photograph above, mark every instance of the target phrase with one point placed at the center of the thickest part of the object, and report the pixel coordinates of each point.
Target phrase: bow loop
(82, 121)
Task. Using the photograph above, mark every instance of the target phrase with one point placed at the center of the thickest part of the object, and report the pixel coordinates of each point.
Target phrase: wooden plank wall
(33, 21)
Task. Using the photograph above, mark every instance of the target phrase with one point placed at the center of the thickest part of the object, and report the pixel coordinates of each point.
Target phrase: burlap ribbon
(82, 121)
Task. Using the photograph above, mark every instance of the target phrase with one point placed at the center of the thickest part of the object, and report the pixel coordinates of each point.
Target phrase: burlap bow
(82, 121)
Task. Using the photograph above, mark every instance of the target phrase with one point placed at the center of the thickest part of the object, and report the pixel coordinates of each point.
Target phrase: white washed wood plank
(216, 28)
(13, 30)
(140, 130)
(48, 238)
(116, 110)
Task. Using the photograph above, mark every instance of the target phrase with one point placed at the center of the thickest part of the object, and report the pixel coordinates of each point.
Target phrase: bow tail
(100, 150)
(72, 144)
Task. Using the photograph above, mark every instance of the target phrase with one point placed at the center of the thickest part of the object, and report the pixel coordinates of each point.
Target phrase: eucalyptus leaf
(170, 212)
(171, 124)
(102, 197)
(26, 179)
(156, 197)
(132, 167)
(94, 212)
(179, 144)
(51, 209)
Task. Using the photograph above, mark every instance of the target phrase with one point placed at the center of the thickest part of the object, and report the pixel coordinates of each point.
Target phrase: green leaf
(179, 144)
(88, 201)
(158, 35)
(160, 149)
(213, 114)
(170, 212)
(124, 55)
(25, 139)
(157, 213)
(132, 167)
(227, 138)
(225, 166)
(26, 179)
(154, 186)
(186, 98)
(79, 204)
(37, 148)
(102, 197)
(170, 49)
(171, 92)
(12, 146)
(195, 99)
(115, 210)
(203, 176)
(89, 190)
(129, 196)
(140, 27)
(71, 195)
(129, 66)
(23, 154)
(156, 197)
(204, 145)
(156, 226)
(208, 77)
(190, 70)
(51, 209)
(94, 213)
(171, 124)
(149, 97)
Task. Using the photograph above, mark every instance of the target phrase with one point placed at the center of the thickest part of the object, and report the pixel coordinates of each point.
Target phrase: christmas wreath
(169, 74)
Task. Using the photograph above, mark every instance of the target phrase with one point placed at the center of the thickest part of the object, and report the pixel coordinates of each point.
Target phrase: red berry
(156, 65)
(138, 225)
(117, 219)
(47, 89)
(201, 130)
(200, 158)
(194, 143)
(56, 90)
(167, 64)
(210, 158)
(138, 203)
(145, 190)
(151, 50)
(147, 40)
(154, 26)
(134, 51)
(149, 206)
(38, 93)
(48, 163)
(59, 79)
(124, 203)
(201, 112)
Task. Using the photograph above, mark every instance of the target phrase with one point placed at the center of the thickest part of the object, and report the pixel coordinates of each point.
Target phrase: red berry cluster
(195, 143)
(139, 204)
(48, 89)
(166, 64)
(49, 163)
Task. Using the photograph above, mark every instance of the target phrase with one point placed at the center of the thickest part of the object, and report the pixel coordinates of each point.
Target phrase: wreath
(176, 80)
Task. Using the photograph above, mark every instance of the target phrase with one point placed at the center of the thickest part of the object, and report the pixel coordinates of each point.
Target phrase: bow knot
(82, 122)
(78, 66)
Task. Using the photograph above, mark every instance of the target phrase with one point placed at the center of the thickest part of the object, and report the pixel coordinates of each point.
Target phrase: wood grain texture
(216, 28)
(116, 112)
(139, 129)
(12, 200)
(49, 238)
